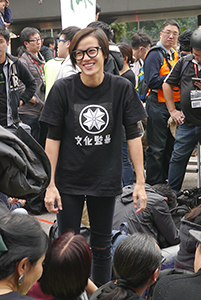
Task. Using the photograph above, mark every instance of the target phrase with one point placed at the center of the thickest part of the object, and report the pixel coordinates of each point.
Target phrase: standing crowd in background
(100, 111)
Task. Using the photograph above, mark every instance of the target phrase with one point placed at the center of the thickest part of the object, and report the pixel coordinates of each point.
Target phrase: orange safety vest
(164, 70)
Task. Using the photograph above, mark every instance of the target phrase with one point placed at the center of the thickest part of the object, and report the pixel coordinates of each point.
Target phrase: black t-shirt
(3, 98)
(130, 76)
(192, 115)
(90, 160)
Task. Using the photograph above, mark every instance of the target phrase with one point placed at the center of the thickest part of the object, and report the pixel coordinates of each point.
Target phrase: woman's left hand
(139, 192)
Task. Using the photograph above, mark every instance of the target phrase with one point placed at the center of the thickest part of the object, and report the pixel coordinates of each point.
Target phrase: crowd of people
(82, 104)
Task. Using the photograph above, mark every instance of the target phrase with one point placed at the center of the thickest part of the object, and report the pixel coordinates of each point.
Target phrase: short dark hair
(166, 191)
(98, 8)
(69, 257)
(24, 237)
(5, 33)
(140, 39)
(126, 51)
(19, 51)
(26, 33)
(170, 22)
(48, 40)
(104, 26)
(135, 259)
(69, 32)
(95, 32)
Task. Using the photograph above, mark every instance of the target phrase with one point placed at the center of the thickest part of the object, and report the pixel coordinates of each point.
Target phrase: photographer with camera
(187, 75)
(34, 61)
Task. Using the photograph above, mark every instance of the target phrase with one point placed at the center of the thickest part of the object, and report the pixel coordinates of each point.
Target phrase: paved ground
(190, 181)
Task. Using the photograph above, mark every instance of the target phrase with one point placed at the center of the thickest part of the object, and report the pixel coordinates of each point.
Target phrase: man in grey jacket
(34, 61)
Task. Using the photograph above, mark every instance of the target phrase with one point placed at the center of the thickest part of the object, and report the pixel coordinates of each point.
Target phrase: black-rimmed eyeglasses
(91, 52)
(35, 41)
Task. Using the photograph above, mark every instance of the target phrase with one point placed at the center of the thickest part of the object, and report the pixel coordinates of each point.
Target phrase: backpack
(142, 88)
(190, 197)
(54, 232)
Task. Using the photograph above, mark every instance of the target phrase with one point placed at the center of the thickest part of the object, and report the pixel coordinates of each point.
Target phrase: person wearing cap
(182, 286)
(184, 42)
(189, 118)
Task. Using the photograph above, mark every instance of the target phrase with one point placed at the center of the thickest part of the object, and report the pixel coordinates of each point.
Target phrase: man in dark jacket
(182, 286)
(11, 70)
(115, 60)
(155, 220)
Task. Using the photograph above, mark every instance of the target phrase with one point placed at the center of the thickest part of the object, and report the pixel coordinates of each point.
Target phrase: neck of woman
(125, 69)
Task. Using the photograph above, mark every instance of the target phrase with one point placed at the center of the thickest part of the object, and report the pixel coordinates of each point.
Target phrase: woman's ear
(23, 266)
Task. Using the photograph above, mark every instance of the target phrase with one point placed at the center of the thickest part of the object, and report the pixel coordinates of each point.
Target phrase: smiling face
(92, 68)
(168, 36)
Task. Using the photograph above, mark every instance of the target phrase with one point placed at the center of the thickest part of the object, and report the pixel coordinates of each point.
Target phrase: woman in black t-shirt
(85, 113)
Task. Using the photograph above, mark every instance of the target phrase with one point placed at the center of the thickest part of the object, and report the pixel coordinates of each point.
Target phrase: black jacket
(24, 166)
(155, 220)
(186, 254)
(15, 70)
(115, 60)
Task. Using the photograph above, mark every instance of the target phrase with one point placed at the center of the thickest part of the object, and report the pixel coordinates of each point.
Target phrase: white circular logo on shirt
(94, 119)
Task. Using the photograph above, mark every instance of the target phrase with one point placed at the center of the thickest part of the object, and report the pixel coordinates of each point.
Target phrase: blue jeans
(186, 139)
(100, 210)
(159, 139)
(127, 176)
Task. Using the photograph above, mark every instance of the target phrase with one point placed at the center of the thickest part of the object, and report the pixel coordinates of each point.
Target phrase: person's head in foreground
(197, 262)
(23, 245)
(89, 49)
(67, 267)
(136, 264)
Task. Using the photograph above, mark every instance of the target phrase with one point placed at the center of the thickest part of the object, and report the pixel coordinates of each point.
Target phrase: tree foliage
(124, 31)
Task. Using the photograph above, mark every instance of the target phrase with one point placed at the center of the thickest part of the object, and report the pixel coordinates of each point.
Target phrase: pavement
(190, 181)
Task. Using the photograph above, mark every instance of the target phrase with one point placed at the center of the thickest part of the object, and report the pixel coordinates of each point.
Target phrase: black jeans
(159, 139)
(100, 210)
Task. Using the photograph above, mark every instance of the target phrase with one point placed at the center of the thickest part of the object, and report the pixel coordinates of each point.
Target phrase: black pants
(159, 139)
(100, 210)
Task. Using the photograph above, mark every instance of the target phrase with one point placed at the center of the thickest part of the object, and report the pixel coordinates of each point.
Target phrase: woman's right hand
(52, 195)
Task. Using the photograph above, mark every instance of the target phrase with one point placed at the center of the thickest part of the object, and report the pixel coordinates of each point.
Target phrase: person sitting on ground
(155, 220)
(23, 245)
(136, 264)
(14, 204)
(186, 254)
(69, 257)
(182, 286)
